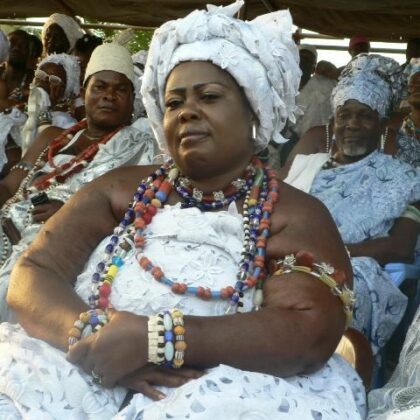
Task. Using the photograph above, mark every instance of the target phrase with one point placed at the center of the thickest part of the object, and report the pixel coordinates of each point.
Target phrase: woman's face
(55, 40)
(207, 120)
(357, 130)
(52, 78)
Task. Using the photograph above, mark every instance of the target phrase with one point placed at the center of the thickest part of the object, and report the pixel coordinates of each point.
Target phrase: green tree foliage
(141, 40)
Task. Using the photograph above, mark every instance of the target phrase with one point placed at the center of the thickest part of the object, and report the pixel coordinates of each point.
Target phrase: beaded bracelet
(166, 339)
(304, 262)
(88, 323)
(156, 341)
(179, 333)
(25, 166)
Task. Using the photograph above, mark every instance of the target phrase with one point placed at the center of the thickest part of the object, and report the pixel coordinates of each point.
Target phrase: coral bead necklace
(260, 190)
(60, 173)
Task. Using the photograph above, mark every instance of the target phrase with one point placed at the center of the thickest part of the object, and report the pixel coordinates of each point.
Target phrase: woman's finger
(187, 373)
(78, 351)
(149, 391)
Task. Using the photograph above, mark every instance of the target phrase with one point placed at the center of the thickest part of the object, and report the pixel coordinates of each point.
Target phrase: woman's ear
(82, 93)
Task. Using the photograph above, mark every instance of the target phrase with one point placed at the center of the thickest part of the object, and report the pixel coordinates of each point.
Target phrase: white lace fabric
(400, 397)
(200, 249)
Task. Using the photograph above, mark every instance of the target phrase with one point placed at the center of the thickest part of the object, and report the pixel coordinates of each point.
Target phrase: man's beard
(354, 150)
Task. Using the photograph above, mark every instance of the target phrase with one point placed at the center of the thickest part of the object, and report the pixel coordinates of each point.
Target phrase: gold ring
(97, 379)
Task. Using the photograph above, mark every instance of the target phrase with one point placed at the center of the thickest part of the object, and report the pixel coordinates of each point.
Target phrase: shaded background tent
(379, 20)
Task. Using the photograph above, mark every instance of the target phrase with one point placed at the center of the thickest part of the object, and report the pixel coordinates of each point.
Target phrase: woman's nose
(188, 112)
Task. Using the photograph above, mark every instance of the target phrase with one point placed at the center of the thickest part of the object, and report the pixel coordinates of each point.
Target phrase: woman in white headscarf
(216, 90)
(55, 87)
(60, 34)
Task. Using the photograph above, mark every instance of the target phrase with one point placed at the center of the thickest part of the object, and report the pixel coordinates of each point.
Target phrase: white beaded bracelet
(156, 339)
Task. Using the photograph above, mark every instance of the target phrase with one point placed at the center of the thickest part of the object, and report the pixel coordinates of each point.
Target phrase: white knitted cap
(111, 56)
(70, 27)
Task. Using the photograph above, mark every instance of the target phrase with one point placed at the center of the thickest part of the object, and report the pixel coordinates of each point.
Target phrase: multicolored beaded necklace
(260, 192)
(74, 165)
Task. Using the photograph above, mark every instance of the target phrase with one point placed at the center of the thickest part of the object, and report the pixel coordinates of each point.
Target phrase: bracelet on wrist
(166, 339)
(88, 323)
(335, 279)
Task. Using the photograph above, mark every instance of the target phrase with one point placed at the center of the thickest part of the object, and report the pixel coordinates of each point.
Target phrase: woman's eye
(172, 103)
(209, 96)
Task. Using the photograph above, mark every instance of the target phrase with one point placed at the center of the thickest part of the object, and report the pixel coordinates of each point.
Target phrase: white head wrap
(310, 48)
(412, 67)
(260, 55)
(111, 56)
(70, 27)
(4, 46)
(139, 59)
(371, 79)
(71, 65)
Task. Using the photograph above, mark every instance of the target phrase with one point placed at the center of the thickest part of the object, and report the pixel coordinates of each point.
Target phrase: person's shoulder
(128, 175)
(120, 184)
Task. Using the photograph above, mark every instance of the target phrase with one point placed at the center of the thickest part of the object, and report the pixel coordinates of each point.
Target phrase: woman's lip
(193, 137)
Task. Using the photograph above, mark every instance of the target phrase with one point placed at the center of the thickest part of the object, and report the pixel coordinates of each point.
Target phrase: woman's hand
(144, 379)
(43, 212)
(116, 350)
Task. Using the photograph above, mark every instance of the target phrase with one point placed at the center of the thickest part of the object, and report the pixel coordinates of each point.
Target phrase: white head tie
(4, 46)
(260, 55)
(71, 65)
(412, 68)
(371, 79)
(70, 27)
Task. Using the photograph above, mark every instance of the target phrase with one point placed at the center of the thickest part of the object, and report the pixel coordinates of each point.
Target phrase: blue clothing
(364, 198)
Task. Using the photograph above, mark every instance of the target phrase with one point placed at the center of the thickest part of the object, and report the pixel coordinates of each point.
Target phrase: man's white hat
(111, 56)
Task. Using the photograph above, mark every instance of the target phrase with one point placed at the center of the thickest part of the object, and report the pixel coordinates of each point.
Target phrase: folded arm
(398, 246)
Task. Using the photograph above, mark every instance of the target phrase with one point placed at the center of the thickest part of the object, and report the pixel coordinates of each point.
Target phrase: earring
(384, 138)
(254, 132)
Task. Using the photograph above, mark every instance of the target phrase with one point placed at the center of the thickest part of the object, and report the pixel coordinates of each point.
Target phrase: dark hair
(35, 46)
(87, 43)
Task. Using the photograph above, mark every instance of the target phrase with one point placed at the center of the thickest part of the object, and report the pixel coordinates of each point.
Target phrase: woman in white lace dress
(210, 230)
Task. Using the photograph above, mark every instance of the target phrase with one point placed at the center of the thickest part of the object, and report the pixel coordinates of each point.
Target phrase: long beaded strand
(149, 196)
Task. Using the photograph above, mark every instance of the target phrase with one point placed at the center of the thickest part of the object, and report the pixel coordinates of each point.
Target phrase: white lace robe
(201, 249)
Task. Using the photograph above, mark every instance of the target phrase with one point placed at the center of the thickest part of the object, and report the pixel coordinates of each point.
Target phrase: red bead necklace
(62, 172)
